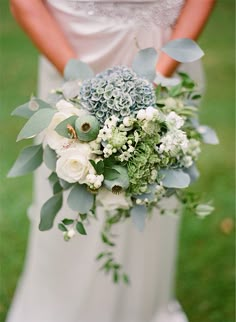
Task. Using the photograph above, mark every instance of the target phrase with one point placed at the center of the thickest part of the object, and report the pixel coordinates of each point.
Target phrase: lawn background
(205, 278)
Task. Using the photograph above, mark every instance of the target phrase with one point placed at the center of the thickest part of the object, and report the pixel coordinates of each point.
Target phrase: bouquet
(116, 140)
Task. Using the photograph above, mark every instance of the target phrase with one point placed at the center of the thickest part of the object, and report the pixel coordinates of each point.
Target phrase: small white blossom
(127, 121)
(141, 114)
(173, 142)
(187, 161)
(151, 112)
(111, 121)
(174, 121)
(71, 233)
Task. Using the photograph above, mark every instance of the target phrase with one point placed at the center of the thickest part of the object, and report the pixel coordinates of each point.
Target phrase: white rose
(54, 140)
(110, 201)
(74, 165)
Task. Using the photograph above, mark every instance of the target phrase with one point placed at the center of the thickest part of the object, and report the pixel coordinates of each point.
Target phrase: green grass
(205, 278)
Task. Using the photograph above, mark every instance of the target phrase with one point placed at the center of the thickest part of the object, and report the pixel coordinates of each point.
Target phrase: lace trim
(161, 12)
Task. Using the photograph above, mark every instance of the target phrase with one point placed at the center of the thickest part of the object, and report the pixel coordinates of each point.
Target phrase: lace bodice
(145, 13)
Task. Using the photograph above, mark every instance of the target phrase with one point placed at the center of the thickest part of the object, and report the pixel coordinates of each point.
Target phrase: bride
(61, 282)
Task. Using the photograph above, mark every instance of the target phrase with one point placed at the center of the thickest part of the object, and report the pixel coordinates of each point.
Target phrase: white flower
(91, 178)
(111, 121)
(151, 112)
(173, 142)
(170, 102)
(174, 121)
(74, 165)
(54, 140)
(94, 181)
(141, 114)
(187, 161)
(71, 233)
(128, 121)
(110, 201)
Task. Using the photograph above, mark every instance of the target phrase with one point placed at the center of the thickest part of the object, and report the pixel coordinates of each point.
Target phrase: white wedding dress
(61, 281)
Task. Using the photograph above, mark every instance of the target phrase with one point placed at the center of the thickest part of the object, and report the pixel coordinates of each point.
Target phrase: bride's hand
(44, 31)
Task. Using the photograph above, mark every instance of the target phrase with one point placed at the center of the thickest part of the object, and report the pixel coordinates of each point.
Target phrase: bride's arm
(190, 23)
(34, 17)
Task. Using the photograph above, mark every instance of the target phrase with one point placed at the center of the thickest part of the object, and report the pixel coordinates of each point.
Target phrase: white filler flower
(174, 121)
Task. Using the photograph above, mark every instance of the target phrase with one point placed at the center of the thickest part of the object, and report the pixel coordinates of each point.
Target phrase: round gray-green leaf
(209, 136)
(175, 178)
(49, 211)
(37, 123)
(50, 158)
(29, 159)
(77, 70)
(183, 50)
(80, 199)
(28, 109)
(144, 63)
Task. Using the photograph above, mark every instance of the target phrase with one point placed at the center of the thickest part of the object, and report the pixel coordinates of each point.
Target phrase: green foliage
(29, 159)
(50, 158)
(76, 69)
(144, 63)
(37, 123)
(62, 128)
(183, 50)
(80, 199)
(80, 228)
(175, 178)
(49, 211)
(28, 109)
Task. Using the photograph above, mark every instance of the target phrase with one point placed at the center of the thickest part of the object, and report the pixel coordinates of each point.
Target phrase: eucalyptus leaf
(150, 194)
(62, 227)
(71, 89)
(138, 215)
(209, 136)
(175, 178)
(29, 159)
(111, 174)
(67, 221)
(62, 129)
(28, 109)
(49, 211)
(183, 50)
(192, 172)
(80, 199)
(57, 188)
(77, 70)
(98, 166)
(37, 123)
(144, 63)
(53, 178)
(50, 158)
(80, 228)
(64, 184)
